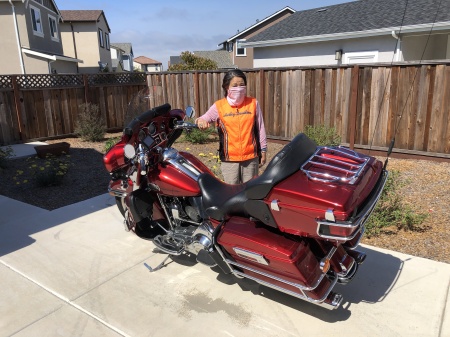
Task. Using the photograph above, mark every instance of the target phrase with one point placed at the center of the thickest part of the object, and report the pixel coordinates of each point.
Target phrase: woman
(242, 136)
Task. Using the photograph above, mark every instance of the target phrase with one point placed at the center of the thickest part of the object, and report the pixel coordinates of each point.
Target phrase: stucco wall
(87, 45)
(9, 56)
(413, 47)
(321, 53)
(44, 43)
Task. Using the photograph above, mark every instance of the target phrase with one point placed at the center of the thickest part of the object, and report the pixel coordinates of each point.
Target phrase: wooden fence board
(409, 101)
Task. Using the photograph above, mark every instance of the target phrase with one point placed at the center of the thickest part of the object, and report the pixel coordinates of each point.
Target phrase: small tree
(193, 62)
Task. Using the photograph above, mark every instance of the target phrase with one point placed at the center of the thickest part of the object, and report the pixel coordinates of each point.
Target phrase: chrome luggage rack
(335, 164)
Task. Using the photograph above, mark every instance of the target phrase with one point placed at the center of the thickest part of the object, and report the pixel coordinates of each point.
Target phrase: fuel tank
(178, 174)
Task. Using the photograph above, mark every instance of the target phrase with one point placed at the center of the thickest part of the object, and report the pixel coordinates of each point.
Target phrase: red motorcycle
(294, 228)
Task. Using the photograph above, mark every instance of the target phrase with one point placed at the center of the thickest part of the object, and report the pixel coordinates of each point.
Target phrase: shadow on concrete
(17, 228)
(374, 280)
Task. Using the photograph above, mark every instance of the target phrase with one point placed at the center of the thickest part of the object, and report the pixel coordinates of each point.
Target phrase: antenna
(391, 145)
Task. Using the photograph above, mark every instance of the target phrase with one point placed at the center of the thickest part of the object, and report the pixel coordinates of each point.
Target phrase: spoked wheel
(127, 220)
(120, 202)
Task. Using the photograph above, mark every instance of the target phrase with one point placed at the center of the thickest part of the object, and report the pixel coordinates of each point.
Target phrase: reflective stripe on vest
(237, 130)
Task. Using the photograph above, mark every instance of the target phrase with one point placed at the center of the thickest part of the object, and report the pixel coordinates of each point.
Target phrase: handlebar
(185, 125)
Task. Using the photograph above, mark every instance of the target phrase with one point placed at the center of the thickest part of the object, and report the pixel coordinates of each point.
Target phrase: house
(363, 31)
(242, 57)
(31, 39)
(126, 55)
(116, 59)
(86, 35)
(146, 64)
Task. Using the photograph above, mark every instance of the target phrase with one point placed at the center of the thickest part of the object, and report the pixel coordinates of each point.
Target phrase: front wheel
(120, 202)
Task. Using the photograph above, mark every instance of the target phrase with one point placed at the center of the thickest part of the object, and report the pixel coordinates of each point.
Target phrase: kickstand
(158, 267)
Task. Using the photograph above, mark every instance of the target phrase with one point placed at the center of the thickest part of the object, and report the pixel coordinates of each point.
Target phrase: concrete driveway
(76, 272)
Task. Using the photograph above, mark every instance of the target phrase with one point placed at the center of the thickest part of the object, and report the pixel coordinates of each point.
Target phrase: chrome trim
(302, 296)
(329, 215)
(117, 193)
(362, 230)
(361, 217)
(274, 205)
(173, 157)
(349, 175)
(252, 256)
(296, 285)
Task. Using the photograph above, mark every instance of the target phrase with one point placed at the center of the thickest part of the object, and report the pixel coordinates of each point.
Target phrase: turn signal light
(324, 265)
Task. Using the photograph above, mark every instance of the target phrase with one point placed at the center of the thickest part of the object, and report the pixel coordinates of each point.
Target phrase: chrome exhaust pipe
(357, 255)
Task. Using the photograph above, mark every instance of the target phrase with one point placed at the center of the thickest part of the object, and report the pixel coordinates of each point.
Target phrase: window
(100, 38)
(36, 21)
(107, 40)
(240, 51)
(53, 28)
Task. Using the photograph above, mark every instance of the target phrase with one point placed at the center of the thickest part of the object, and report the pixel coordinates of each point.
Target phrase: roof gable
(125, 46)
(356, 16)
(145, 60)
(260, 23)
(83, 16)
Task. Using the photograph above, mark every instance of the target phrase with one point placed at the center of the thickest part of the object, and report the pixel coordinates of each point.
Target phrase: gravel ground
(426, 190)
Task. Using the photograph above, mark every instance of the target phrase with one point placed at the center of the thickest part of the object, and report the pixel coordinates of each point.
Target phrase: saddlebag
(270, 258)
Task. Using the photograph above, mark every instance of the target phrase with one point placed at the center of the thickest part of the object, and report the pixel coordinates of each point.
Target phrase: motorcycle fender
(140, 205)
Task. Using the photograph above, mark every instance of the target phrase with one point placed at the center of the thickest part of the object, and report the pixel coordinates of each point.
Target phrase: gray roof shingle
(125, 46)
(221, 57)
(357, 16)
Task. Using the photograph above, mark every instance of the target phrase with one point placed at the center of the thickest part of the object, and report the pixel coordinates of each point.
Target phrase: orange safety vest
(238, 132)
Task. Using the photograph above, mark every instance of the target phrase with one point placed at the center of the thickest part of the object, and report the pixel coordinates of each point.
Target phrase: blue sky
(159, 29)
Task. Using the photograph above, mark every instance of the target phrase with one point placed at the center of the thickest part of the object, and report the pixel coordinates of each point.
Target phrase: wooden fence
(368, 105)
(46, 106)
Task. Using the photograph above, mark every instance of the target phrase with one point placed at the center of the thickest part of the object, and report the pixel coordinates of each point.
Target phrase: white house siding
(436, 47)
(322, 53)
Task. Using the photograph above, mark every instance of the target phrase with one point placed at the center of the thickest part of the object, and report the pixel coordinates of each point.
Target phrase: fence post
(17, 105)
(86, 89)
(353, 105)
(196, 93)
(261, 88)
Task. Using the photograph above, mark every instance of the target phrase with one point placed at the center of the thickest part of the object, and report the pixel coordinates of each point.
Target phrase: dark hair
(229, 76)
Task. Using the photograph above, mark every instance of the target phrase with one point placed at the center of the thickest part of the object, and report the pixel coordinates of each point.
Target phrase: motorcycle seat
(285, 163)
(221, 200)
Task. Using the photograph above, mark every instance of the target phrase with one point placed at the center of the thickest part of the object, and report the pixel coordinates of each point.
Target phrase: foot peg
(168, 244)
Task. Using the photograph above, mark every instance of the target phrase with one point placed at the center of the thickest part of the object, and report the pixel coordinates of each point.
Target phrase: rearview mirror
(190, 111)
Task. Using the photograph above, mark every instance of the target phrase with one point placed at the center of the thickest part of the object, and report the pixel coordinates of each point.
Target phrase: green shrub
(110, 143)
(197, 136)
(90, 125)
(323, 135)
(391, 212)
(5, 153)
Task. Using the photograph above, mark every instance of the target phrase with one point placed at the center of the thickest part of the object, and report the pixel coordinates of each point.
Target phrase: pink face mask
(236, 95)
